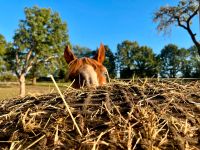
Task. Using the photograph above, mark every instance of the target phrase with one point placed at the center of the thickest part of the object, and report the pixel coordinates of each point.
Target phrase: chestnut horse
(86, 71)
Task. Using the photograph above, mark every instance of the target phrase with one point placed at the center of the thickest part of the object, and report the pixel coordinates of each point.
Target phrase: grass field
(8, 91)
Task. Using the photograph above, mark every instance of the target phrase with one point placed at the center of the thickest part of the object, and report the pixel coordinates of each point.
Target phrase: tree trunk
(22, 85)
(34, 81)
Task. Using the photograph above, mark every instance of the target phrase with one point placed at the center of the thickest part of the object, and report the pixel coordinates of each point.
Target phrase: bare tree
(181, 15)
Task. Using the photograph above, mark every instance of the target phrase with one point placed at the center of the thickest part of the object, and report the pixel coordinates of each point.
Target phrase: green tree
(40, 38)
(145, 62)
(180, 15)
(3, 44)
(194, 62)
(185, 63)
(136, 60)
(81, 51)
(62, 69)
(110, 62)
(170, 61)
(125, 54)
(43, 70)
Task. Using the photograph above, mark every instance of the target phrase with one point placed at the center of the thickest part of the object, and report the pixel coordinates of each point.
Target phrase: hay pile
(142, 115)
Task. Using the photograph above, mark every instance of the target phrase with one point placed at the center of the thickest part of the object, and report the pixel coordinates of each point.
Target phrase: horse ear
(68, 54)
(100, 55)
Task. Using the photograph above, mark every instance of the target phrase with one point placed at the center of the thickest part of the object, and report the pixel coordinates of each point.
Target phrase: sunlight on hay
(121, 115)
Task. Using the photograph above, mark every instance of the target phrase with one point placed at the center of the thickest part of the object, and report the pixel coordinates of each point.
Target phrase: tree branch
(17, 62)
(28, 56)
(47, 59)
(29, 66)
(191, 16)
(188, 28)
(179, 23)
(192, 35)
(17, 58)
(17, 73)
(27, 60)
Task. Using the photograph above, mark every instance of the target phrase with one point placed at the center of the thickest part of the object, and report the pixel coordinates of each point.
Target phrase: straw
(67, 106)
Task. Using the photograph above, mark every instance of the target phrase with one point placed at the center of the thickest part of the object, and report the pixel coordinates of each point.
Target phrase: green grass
(8, 91)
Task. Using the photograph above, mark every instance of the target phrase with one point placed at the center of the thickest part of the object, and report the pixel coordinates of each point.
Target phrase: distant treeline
(130, 60)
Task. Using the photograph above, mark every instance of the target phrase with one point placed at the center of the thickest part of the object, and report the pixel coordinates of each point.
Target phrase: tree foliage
(194, 62)
(110, 62)
(175, 62)
(170, 61)
(81, 51)
(145, 63)
(125, 57)
(2, 45)
(189, 62)
(180, 15)
(185, 63)
(136, 60)
(3, 51)
(40, 38)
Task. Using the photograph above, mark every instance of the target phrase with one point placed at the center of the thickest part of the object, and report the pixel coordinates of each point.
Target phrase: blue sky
(91, 22)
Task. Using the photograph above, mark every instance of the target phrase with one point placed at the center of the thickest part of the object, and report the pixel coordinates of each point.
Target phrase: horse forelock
(76, 64)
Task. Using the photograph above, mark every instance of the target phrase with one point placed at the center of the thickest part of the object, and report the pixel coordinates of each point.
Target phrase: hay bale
(133, 115)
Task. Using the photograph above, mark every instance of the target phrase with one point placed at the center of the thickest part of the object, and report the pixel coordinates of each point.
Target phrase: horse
(86, 72)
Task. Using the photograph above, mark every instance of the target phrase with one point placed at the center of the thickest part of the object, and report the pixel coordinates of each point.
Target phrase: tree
(194, 62)
(40, 38)
(136, 60)
(2, 53)
(170, 61)
(5, 73)
(125, 54)
(81, 51)
(62, 69)
(185, 63)
(145, 62)
(109, 62)
(181, 15)
(43, 70)
(2, 45)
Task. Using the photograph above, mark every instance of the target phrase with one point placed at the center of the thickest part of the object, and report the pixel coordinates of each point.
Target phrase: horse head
(86, 71)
